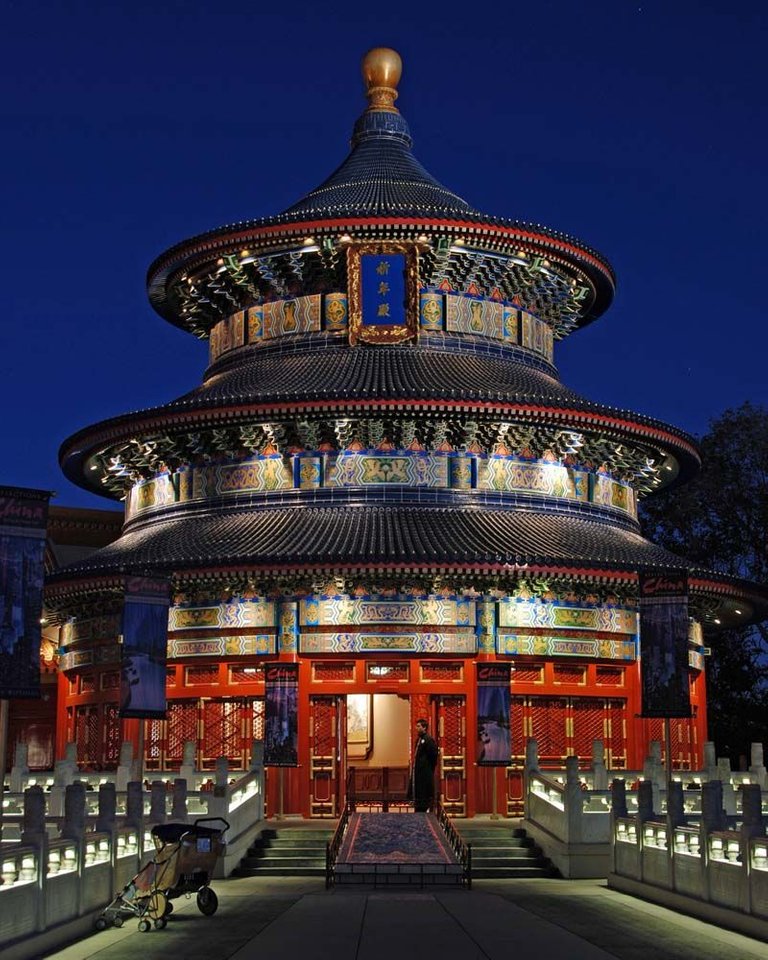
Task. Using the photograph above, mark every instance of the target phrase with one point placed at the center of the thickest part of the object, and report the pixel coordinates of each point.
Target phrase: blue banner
(23, 520)
(664, 645)
(281, 714)
(382, 297)
(145, 648)
(494, 746)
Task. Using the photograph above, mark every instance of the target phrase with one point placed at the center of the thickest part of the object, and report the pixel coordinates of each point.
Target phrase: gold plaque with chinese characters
(383, 292)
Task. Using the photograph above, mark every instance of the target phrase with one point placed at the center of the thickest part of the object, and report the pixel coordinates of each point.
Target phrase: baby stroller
(183, 864)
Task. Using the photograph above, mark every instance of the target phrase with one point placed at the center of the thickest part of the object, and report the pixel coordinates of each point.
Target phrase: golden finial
(382, 68)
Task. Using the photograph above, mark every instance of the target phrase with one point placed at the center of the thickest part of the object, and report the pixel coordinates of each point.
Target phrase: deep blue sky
(640, 128)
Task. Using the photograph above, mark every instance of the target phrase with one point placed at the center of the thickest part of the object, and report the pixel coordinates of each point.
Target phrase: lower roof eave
(59, 582)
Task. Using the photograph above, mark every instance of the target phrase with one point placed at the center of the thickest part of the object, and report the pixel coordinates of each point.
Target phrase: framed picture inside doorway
(359, 725)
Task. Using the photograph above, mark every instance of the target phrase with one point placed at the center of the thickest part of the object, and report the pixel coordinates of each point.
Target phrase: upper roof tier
(379, 191)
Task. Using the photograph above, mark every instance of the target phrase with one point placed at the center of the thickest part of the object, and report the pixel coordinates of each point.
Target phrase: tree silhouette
(720, 520)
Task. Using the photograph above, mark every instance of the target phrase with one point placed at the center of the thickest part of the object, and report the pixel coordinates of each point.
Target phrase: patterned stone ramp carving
(396, 848)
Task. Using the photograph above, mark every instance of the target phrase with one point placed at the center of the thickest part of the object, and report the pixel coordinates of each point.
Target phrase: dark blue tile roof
(366, 534)
(380, 177)
(402, 372)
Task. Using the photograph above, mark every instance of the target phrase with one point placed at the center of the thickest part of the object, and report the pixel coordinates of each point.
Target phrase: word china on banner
(145, 647)
(23, 520)
(494, 745)
(664, 645)
(281, 715)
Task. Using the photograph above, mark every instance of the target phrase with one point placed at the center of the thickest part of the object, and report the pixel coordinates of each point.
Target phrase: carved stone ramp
(396, 848)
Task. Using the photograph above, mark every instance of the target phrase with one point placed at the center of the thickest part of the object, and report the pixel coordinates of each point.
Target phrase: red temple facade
(382, 479)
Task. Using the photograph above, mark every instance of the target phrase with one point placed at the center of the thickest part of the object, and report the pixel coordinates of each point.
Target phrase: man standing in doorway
(423, 774)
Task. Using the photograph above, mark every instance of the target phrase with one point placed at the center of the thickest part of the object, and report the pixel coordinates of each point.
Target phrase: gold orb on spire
(382, 68)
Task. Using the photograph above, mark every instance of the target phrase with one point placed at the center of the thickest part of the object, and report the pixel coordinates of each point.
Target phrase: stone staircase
(287, 852)
(500, 851)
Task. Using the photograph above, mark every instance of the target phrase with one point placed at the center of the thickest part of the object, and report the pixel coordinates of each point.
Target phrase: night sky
(639, 128)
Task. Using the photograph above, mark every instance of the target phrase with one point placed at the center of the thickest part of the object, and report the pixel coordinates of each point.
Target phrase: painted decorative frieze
(265, 473)
(231, 646)
(255, 326)
(431, 312)
(258, 474)
(157, 492)
(278, 318)
(433, 611)
(90, 629)
(533, 613)
(474, 315)
(521, 644)
(451, 643)
(410, 469)
(548, 479)
(235, 613)
(285, 317)
(336, 311)
(94, 657)
(288, 627)
(610, 493)
(483, 317)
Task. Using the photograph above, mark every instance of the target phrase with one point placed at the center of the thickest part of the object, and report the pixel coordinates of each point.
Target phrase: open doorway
(378, 750)
(378, 730)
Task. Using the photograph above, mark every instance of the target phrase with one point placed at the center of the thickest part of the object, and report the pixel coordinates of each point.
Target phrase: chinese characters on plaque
(383, 289)
(383, 292)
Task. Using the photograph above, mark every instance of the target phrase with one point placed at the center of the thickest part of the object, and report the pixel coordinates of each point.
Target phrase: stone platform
(283, 919)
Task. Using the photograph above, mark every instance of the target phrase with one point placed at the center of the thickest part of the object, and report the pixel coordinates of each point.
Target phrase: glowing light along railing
(626, 831)
(687, 841)
(759, 854)
(18, 867)
(655, 835)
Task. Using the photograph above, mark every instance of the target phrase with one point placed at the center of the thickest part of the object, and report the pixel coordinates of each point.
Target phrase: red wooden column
(61, 715)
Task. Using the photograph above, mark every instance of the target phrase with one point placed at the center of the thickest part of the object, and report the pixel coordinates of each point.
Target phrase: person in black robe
(422, 786)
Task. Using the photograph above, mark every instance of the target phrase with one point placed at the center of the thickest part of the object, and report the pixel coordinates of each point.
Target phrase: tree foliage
(720, 520)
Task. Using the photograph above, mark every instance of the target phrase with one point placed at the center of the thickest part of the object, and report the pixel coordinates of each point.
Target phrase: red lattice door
(682, 736)
(547, 725)
(88, 737)
(587, 724)
(518, 729)
(616, 735)
(257, 719)
(327, 723)
(182, 725)
(654, 731)
(154, 738)
(682, 733)
(112, 736)
(226, 728)
(452, 741)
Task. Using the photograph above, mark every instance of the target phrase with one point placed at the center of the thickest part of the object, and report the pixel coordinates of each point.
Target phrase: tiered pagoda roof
(315, 389)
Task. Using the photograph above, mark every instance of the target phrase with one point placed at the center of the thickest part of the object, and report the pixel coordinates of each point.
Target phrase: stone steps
(504, 853)
(286, 852)
(497, 853)
(281, 871)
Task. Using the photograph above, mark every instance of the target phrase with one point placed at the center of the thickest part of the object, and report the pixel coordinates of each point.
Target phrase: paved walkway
(289, 919)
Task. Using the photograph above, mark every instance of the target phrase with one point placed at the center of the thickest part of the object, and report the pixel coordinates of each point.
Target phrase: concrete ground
(297, 919)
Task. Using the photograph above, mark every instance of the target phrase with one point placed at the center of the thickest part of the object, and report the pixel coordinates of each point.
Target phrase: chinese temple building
(383, 479)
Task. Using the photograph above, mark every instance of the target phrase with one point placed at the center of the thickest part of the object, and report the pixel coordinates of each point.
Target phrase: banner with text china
(493, 714)
(145, 647)
(23, 520)
(664, 645)
(281, 715)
